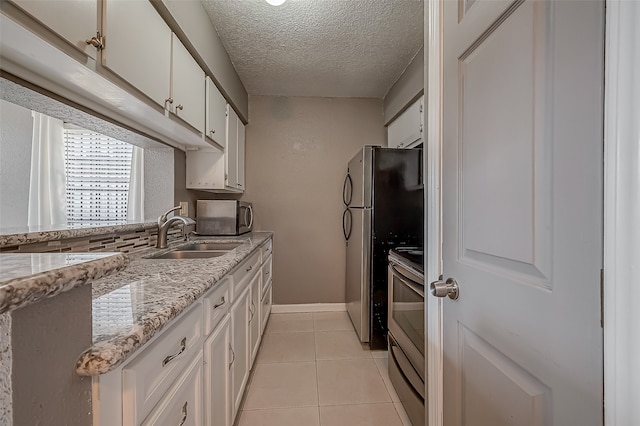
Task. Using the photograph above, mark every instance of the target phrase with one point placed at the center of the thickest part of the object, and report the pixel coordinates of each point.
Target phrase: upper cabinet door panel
(188, 86)
(138, 46)
(407, 128)
(216, 114)
(231, 149)
(240, 155)
(76, 21)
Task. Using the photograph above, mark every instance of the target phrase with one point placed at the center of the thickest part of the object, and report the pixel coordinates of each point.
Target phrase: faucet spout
(164, 224)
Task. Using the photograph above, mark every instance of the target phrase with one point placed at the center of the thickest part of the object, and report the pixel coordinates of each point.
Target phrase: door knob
(445, 288)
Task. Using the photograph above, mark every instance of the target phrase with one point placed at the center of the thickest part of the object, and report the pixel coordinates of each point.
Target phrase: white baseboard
(309, 307)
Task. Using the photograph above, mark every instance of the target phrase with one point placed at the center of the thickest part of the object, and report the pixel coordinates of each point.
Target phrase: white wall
(406, 89)
(16, 125)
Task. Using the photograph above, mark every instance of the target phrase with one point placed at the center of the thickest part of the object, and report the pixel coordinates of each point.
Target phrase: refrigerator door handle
(346, 221)
(348, 183)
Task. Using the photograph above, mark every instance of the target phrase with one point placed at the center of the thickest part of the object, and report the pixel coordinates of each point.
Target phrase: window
(97, 171)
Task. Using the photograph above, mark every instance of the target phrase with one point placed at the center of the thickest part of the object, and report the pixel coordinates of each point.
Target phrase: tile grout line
(315, 352)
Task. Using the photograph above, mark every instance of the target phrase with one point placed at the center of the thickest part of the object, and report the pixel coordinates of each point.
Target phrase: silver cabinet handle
(169, 358)
(445, 288)
(267, 273)
(184, 414)
(222, 302)
(249, 268)
(180, 107)
(233, 356)
(212, 131)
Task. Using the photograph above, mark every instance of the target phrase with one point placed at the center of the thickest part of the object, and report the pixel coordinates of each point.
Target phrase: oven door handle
(408, 281)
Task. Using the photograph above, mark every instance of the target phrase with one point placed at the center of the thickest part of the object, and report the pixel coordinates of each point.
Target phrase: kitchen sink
(210, 246)
(197, 251)
(188, 254)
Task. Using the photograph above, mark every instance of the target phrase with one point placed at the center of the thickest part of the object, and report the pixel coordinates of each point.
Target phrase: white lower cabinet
(217, 376)
(183, 403)
(254, 316)
(196, 370)
(239, 347)
(265, 307)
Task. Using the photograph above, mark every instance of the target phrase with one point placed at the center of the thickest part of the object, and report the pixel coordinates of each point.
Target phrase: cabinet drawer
(265, 308)
(244, 271)
(266, 274)
(267, 248)
(216, 305)
(183, 403)
(150, 374)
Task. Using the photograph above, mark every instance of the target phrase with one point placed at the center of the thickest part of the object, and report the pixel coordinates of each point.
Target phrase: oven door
(406, 313)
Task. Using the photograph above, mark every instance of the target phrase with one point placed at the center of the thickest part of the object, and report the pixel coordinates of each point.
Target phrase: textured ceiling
(326, 48)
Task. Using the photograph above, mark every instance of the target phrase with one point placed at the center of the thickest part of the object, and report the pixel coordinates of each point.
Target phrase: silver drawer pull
(183, 346)
(267, 273)
(222, 302)
(249, 268)
(184, 414)
(233, 356)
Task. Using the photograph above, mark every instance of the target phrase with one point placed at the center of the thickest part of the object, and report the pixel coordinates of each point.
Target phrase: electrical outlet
(184, 208)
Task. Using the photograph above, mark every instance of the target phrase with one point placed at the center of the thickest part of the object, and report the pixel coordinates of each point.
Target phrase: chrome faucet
(164, 224)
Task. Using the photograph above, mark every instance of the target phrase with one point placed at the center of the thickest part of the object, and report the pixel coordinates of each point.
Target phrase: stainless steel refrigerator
(383, 198)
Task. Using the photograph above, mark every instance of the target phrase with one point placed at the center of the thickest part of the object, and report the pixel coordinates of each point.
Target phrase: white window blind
(97, 169)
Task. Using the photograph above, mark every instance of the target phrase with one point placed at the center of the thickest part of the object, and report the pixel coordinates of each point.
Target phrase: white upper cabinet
(231, 149)
(406, 130)
(240, 169)
(216, 123)
(187, 86)
(76, 21)
(138, 47)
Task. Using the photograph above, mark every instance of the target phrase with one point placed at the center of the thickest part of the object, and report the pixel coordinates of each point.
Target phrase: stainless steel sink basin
(188, 254)
(210, 246)
(198, 251)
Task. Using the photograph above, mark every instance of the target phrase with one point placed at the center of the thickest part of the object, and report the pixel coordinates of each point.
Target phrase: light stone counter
(26, 278)
(130, 307)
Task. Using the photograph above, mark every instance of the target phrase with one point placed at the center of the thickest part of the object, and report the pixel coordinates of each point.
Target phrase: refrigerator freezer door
(358, 279)
(359, 171)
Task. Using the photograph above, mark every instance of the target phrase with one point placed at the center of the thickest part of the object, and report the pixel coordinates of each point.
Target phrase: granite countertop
(130, 307)
(26, 278)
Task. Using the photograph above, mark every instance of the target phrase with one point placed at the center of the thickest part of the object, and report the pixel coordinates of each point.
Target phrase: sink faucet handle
(162, 219)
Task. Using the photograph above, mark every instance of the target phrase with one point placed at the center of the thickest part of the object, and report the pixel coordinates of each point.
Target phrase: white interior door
(522, 212)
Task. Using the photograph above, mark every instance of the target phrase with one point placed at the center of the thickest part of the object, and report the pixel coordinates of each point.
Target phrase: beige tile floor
(311, 370)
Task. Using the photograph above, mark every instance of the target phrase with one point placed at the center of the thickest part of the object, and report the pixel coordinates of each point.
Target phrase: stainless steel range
(406, 329)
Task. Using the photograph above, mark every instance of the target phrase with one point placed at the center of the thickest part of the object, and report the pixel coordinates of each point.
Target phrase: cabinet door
(217, 376)
(407, 128)
(183, 403)
(138, 47)
(254, 315)
(231, 149)
(187, 86)
(74, 20)
(240, 347)
(240, 155)
(216, 116)
(265, 307)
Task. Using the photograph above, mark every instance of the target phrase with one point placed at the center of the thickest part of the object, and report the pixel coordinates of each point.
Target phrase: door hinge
(602, 298)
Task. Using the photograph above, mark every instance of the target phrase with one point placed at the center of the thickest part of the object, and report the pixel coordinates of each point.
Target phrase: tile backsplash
(126, 242)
